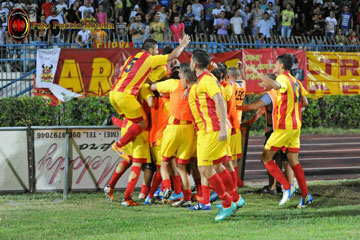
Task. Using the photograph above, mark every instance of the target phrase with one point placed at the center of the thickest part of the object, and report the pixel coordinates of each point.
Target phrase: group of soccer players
(190, 124)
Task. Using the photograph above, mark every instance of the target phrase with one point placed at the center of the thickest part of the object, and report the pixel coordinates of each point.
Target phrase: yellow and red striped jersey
(180, 113)
(136, 70)
(194, 110)
(289, 101)
(206, 89)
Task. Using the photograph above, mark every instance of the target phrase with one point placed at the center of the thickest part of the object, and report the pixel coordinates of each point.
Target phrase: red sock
(144, 189)
(234, 177)
(166, 183)
(134, 130)
(218, 186)
(275, 171)
(155, 184)
(205, 194)
(198, 186)
(162, 188)
(131, 185)
(300, 177)
(187, 195)
(177, 183)
(239, 181)
(229, 185)
(115, 177)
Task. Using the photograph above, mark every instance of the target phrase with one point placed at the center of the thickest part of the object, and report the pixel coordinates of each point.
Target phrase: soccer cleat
(200, 206)
(226, 212)
(141, 196)
(109, 193)
(175, 196)
(120, 152)
(167, 193)
(287, 195)
(128, 203)
(213, 197)
(148, 200)
(239, 204)
(306, 201)
(157, 192)
(182, 203)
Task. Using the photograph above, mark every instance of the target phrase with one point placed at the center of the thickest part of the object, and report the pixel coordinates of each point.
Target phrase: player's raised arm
(182, 45)
(271, 83)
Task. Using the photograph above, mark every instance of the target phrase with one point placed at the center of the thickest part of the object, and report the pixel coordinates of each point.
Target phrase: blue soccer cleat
(157, 192)
(148, 200)
(306, 201)
(226, 212)
(213, 197)
(287, 195)
(175, 196)
(200, 206)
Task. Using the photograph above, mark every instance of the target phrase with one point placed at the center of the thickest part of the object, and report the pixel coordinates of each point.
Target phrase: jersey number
(239, 95)
(130, 65)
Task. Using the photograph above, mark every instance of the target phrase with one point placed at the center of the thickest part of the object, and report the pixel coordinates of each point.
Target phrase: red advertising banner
(93, 71)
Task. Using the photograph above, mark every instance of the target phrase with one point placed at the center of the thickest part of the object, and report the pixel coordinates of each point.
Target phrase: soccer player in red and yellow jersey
(212, 140)
(124, 92)
(239, 90)
(178, 139)
(287, 125)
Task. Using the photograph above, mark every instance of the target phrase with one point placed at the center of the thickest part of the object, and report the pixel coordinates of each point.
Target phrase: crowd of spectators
(203, 20)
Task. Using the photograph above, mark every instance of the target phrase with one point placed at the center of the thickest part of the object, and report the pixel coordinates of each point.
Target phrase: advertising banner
(91, 158)
(333, 73)
(14, 171)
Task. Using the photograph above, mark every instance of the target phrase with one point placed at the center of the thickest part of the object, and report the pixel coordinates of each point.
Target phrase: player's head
(200, 60)
(272, 76)
(150, 46)
(217, 73)
(167, 50)
(188, 78)
(223, 70)
(283, 63)
(233, 74)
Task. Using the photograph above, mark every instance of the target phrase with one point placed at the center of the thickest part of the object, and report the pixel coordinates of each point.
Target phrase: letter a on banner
(46, 64)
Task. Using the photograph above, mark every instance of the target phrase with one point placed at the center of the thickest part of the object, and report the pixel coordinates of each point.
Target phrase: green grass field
(335, 214)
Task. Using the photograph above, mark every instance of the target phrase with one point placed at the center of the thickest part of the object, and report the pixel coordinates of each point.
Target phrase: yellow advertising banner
(333, 73)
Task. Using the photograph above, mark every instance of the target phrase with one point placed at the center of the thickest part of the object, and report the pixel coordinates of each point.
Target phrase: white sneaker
(142, 196)
(287, 195)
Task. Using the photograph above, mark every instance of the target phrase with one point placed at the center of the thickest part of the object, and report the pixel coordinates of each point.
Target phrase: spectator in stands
(209, 19)
(217, 11)
(300, 25)
(137, 29)
(198, 11)
(32, 9)
(189, 21)
(119, 9)
(165, 3)
(19, 4)
(39, 32)
(346, 21)
(7, 4)
(83, 37)
(177, 30)
(157, 28)
(46, 8)
(317, 28)
(222, 25)
(287, 21)
(71, 17)
(101, 16)
(357, 14)
(54, 32)
(263, 5)
(257, 15)
(84, 9)
(61, 7)
(99, 37)
(265, 27)
(237, 25)
(108, 8)
(173, 11)
(330, 25)
(147, 33)
(246, 16)
(4, 12)
(202, 32)
(340, 38)
(122, 30)
(353, 39)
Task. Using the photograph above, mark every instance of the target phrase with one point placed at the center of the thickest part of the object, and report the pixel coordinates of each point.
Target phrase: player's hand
(185, 40)
(239, 63)
(223, 134)
(212, 66)
(186, 93)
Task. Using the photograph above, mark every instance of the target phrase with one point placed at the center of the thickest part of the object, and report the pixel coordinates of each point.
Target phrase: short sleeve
(167, 86)
(158, 60)
(145, 92)
(266, 99)
(210, 86)
(303, 90)
(282, 79)
(228, 91)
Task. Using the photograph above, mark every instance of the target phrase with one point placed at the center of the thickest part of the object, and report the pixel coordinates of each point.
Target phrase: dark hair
(202, 58)
(272, 76)
(138, 14)
(190, 76)
(174, 73)
(222, 68)
(185, 67)
(167, 50)
(149, 43)
(217, 73)
(286, 60)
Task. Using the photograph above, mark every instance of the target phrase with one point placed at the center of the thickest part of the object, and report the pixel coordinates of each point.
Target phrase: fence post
(66, 177)
(31, 159)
